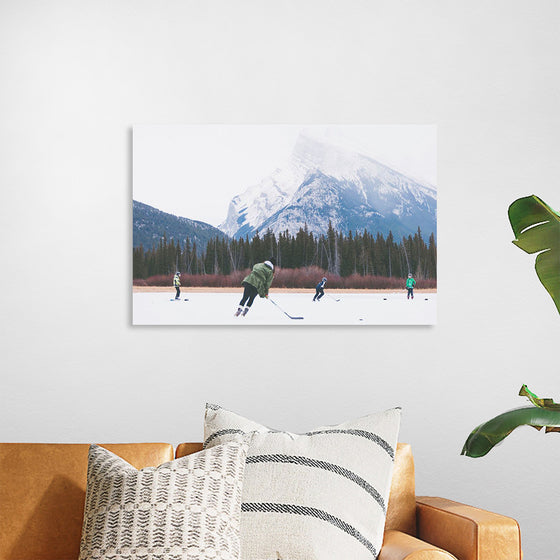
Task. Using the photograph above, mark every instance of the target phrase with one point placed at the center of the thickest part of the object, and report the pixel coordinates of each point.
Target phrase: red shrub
(302, 278)
(213, 280)
(160, 280)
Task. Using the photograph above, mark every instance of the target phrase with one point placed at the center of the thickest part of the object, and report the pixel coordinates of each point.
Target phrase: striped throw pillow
(321, 495)
(187, 509)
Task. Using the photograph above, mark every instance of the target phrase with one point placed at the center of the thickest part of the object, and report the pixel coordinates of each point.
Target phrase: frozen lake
(208, 308)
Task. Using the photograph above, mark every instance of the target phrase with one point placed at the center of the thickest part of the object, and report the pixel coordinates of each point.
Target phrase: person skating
(410, 283)
(177, 284)
(257, 282)
(320, 289)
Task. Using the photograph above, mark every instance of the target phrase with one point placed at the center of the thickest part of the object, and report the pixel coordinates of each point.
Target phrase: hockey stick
(332, 297)
(287, 314)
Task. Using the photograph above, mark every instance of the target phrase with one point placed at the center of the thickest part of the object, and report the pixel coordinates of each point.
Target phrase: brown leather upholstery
(401, 510)
(467, 532)
(400, 546)
(187, 448)
(42, 492)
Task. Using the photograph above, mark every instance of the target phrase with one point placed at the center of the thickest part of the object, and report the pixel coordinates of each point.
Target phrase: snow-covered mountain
(323, 182)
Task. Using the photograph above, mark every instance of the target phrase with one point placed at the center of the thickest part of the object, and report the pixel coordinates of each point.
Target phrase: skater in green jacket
(257, 282)
(410, 283)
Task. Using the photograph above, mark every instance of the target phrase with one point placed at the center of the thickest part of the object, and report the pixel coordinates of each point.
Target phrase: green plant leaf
(483, 438)
(536, 227)
(541, 403)
(543, 413)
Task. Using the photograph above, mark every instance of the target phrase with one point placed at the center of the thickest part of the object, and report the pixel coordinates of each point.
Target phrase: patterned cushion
(186, 509)
(321, 495)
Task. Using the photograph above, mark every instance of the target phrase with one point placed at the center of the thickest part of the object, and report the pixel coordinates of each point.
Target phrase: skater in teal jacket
(410, 283)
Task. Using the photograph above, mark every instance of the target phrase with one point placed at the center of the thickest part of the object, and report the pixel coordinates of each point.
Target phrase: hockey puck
(385, 298)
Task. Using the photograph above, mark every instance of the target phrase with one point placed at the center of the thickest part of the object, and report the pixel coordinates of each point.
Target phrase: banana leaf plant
(542, 413)
(536, 227)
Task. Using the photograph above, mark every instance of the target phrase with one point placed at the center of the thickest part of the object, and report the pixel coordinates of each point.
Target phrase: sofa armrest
(401, 546)
(467, 532)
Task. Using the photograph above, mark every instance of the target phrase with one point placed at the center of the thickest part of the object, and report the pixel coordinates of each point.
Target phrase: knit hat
(269, 264)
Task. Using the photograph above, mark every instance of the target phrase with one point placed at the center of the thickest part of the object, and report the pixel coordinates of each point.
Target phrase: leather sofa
(42, 492)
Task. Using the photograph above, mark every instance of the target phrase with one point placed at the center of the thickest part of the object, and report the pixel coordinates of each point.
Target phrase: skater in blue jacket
(320, 289)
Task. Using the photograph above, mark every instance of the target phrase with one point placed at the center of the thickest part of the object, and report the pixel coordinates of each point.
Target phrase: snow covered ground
(205, 308)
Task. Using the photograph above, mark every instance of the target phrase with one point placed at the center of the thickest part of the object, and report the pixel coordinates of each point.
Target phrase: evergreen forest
(341, 255)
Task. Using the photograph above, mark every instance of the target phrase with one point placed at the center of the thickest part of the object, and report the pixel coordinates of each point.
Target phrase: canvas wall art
(284, 225)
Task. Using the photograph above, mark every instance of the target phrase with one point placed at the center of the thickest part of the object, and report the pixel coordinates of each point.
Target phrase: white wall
(75, 76)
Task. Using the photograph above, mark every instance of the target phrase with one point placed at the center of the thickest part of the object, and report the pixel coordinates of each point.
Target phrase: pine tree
(432, 256)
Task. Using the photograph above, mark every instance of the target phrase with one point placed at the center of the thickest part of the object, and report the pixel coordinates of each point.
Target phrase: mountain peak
(323, 181)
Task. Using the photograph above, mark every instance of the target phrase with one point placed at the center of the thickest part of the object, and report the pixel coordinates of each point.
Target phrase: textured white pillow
(321, 495)
(187, 509)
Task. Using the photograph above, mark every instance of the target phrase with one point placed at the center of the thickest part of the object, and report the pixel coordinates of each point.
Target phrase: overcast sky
(195, 170)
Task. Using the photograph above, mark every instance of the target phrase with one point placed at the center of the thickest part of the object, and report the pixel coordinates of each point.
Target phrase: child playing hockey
(320, 289)
(177, 284)
(257, 282)
(410, 283)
